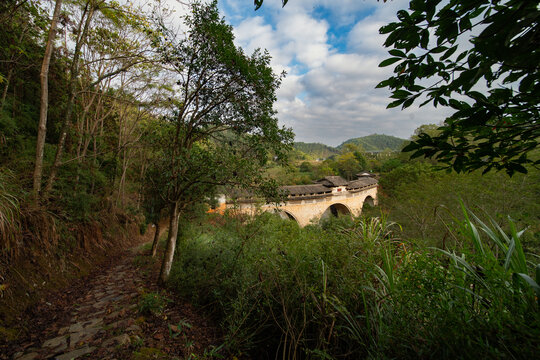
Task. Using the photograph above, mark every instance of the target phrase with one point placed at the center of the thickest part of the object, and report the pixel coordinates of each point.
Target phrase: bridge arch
(368, 200)
(286, 215)
(336, 209)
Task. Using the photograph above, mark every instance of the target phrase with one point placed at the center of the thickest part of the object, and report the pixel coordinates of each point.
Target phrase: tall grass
(354, 289)
(9, 214)
(497, 253)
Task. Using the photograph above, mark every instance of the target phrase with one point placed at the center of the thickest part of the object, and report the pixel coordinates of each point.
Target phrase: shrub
(152, 303)
(349, 289)
(270, 282)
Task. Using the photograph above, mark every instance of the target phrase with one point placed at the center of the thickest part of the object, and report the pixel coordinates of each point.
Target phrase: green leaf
(527, 83)
(395, 103)
(477, 11)
(384, 83)
(388, 28)
(403, 16)
(410, 147)
(517, 167)
(424, 39)
(533, 284)
(389, 61)
(465, 23)
(461, 56)
(400, 94)
(449, 52)
(438, 49)
(396, 52)
(456, 104)
(408, 102)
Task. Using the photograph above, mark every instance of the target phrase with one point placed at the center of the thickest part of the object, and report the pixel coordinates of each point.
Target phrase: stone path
(101, 321)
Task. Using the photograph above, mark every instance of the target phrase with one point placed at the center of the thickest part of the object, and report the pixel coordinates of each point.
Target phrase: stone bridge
(331, 196)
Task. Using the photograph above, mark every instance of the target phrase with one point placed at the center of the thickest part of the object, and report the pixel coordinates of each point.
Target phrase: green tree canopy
(493, 85)
(223, 127)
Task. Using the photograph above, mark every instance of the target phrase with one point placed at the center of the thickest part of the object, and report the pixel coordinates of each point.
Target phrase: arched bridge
(331, 196)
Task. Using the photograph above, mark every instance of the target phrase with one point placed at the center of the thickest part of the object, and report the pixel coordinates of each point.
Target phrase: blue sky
(330, 50)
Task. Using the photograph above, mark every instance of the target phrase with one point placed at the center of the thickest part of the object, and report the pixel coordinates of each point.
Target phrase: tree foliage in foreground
(223, 126)
(493, 85)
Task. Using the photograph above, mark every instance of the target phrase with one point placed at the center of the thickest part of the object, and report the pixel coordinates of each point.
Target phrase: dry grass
(10, 214)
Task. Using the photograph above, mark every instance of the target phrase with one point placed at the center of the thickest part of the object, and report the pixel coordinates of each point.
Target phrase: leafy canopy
(223, 127)
(493, 83)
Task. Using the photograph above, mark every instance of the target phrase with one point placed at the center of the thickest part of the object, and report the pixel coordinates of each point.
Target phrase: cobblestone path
(101, 320)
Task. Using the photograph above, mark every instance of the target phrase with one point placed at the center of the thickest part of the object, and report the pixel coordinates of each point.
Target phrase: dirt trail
(104, 322)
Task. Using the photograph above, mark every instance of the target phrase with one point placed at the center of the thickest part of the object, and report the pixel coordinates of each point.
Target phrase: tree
(126, 52)
(358, 151)
(429, 129)
(154, 202)
(224, 125)
(44, 77)
(154, 188)
(494, 86)
(348, 165)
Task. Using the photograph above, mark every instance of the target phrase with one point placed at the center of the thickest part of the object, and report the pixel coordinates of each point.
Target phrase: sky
(330, 50)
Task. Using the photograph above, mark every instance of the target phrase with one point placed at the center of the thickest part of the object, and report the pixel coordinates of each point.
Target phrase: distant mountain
(376, 142)
(373, 142)
(316, 150)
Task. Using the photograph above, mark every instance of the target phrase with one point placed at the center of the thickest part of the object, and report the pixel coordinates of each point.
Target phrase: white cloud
(290, 88)
(329, 94)
(362, 38)
(304, 37)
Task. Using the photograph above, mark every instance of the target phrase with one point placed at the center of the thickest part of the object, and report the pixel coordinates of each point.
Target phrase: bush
(152, 304)
(270, 282)
(352, 289)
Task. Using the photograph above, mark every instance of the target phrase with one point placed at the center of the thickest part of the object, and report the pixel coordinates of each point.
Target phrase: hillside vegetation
(376, 142)
(316, 150)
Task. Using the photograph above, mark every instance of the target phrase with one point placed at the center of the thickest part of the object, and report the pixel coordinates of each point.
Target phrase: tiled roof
(305, 189)
(333, 181)
(360, 183)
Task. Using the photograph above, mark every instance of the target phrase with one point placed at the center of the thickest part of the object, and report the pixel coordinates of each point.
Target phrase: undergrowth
(43, 246)
(354, 289)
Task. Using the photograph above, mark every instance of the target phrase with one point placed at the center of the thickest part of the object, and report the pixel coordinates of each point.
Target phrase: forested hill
(316, 150)
(376, 142)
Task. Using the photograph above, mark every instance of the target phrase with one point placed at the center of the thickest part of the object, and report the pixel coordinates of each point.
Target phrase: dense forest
(115, 124)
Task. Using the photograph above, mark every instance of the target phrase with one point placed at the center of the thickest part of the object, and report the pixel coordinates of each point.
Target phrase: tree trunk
(4, 94)
(171, 245)
(44, 105)
(156, 240)
(74, 73)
